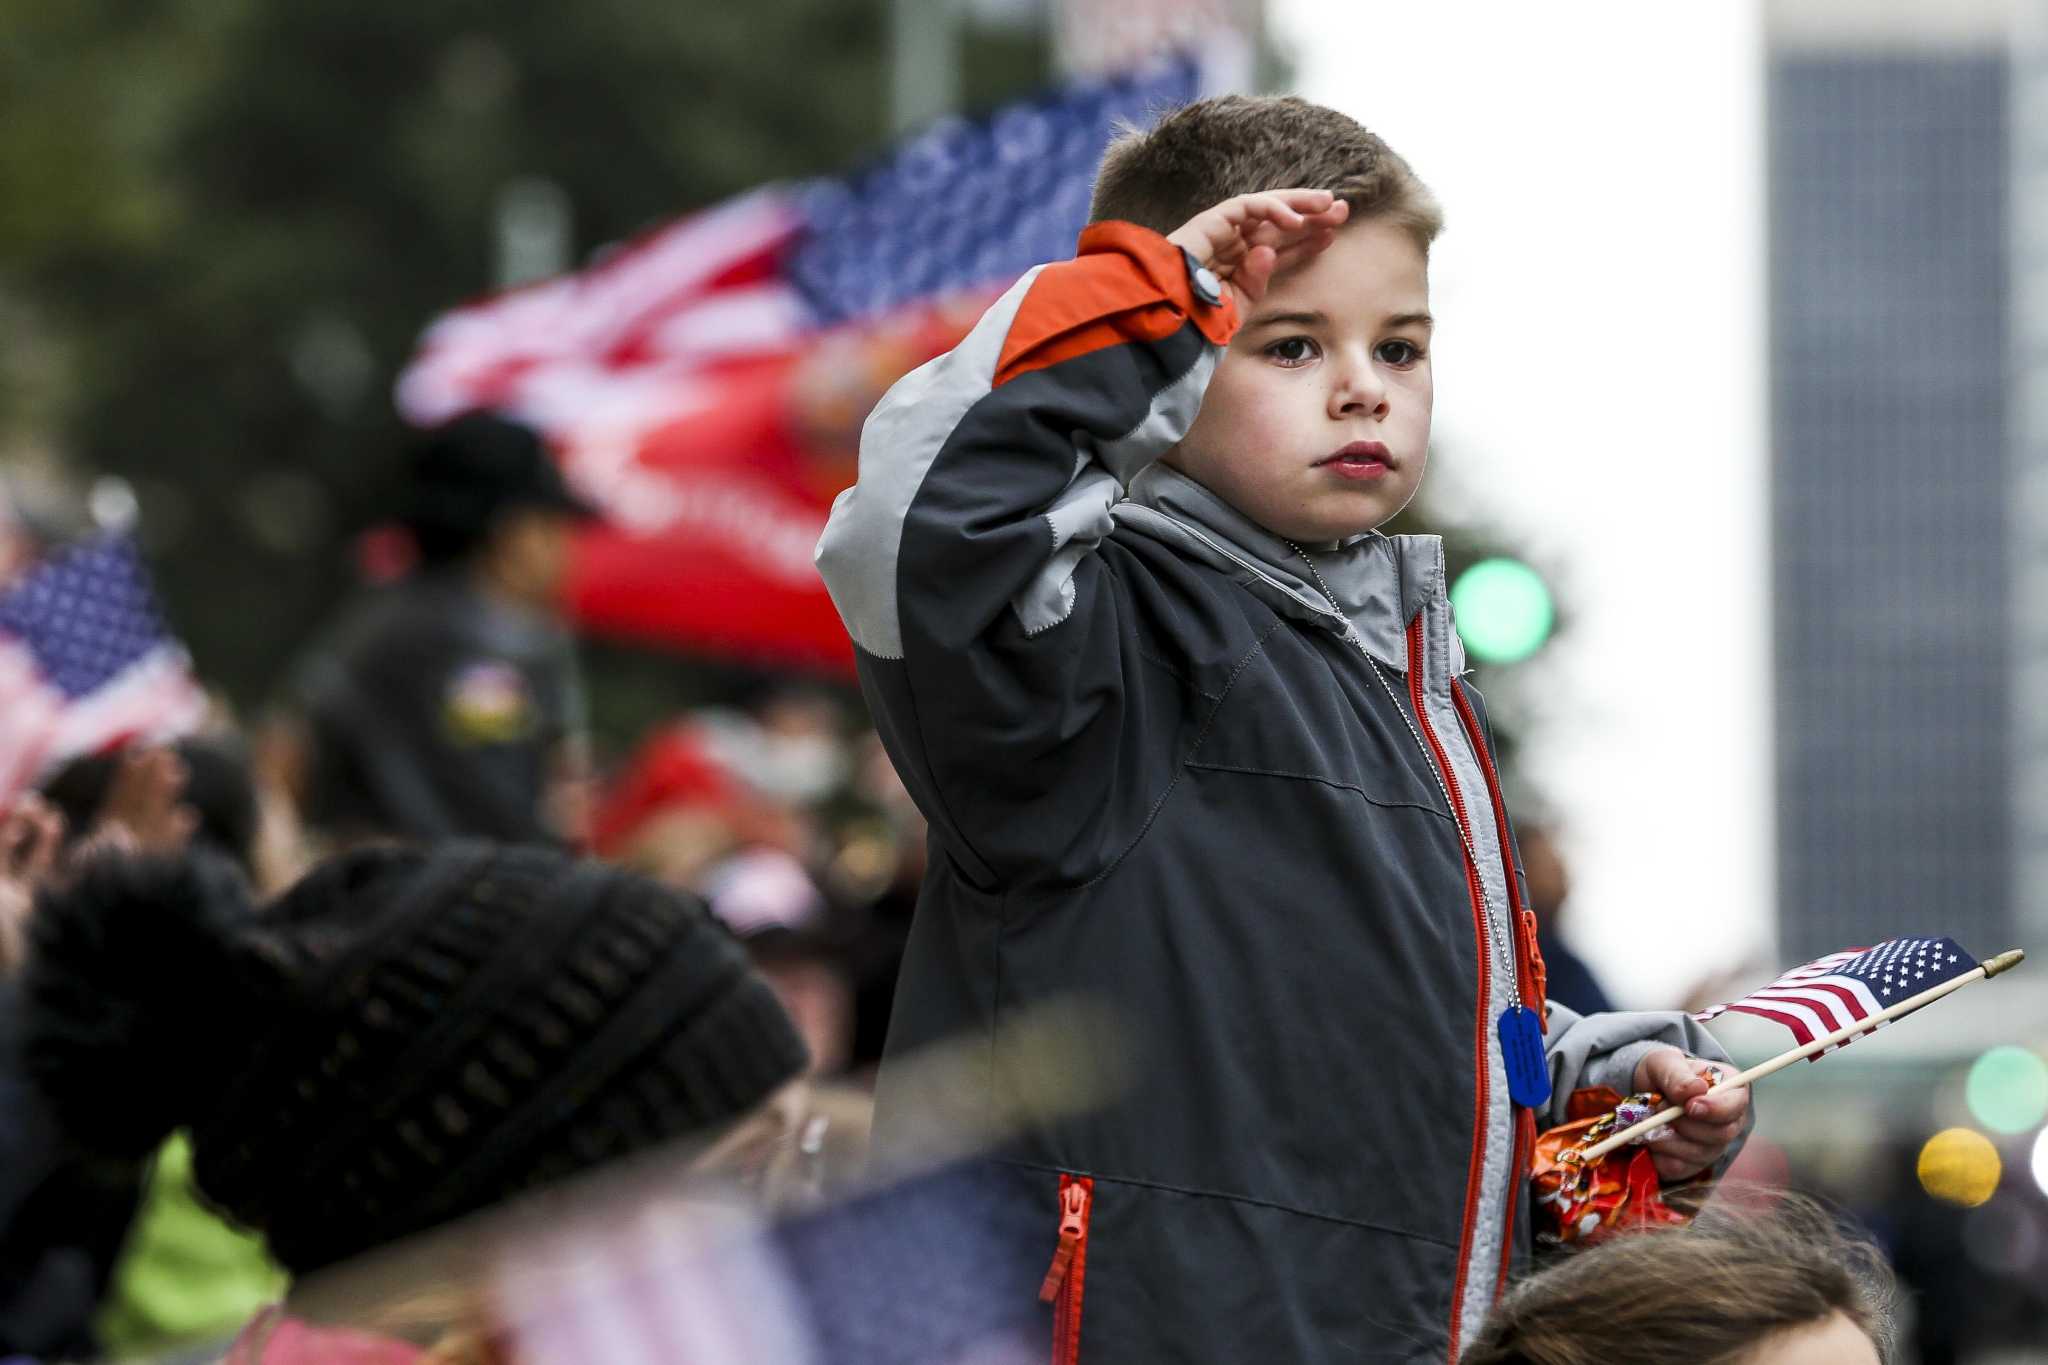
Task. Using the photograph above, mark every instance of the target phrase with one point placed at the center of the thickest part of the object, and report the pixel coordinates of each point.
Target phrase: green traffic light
(2008, 1089)
(1503, 610)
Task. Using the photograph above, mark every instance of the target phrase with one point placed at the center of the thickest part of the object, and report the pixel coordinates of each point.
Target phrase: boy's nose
(1358, 392)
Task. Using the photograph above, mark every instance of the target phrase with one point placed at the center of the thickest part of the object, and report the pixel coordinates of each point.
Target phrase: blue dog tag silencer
(1521, 1048)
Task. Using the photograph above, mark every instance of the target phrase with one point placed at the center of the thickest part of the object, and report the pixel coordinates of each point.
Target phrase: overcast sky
(1600, 397)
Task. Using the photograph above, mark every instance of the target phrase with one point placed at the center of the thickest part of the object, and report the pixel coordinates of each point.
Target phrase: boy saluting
(1193, 741)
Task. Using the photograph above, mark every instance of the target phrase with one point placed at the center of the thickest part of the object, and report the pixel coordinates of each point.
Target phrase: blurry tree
(235, 217)
(225, 223)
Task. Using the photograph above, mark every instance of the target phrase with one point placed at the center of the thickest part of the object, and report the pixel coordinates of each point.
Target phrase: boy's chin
(1327, 530)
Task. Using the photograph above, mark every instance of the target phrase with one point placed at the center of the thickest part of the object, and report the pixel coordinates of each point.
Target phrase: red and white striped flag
(1833, 992)
(705, 385)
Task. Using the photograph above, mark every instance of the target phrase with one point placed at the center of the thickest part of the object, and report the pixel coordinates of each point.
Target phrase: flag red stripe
(1821, 1006)
(1790, 1021)
(1847, 997)
(1814, 995)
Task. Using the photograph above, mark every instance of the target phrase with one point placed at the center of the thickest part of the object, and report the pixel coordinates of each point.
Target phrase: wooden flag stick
(2005, 961)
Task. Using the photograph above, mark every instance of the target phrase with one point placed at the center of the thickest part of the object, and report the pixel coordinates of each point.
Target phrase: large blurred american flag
(705, 384)
(86, 662)
(966, 203)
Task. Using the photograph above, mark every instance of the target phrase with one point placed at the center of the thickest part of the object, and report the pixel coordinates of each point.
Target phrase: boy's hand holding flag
(1826, 1003)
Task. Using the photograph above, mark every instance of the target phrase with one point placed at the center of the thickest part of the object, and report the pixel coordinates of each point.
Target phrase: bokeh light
(2008, 1089)
(2039, 1164)
(1960, 1166)
(1503, 610)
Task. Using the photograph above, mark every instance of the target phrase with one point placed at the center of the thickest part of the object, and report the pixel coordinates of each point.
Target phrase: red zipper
(1065, 1281)
(1525, 1147)
(1529, 963)
(1474, 1168)
(1528, 966)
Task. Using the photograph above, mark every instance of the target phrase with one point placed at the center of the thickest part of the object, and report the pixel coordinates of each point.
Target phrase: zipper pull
(1073, 1216)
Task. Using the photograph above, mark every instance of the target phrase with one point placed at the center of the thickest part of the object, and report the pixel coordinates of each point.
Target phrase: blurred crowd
(271, 992)
(440, 708)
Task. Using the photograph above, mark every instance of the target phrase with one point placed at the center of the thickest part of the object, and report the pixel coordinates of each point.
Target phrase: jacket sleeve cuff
(1614, 1066)
(1179, 279)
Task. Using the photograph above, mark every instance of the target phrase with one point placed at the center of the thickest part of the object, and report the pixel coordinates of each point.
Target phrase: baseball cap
(469, 471)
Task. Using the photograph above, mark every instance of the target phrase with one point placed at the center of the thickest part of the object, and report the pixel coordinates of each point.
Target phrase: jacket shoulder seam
(1168, 666)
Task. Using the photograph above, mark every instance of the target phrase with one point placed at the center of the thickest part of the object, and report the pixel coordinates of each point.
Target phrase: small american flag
(86, 662)
(1835, 991)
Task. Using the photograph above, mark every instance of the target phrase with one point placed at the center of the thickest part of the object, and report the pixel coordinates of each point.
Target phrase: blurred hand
(1244, 240)
(143, 802)
(30, 836)
(1698, 1140)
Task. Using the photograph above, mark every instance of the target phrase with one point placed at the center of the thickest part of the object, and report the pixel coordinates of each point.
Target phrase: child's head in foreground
(1335, 357)
(1781, 1288)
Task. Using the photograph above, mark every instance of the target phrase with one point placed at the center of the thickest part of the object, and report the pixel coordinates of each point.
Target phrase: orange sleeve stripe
(1128, 284)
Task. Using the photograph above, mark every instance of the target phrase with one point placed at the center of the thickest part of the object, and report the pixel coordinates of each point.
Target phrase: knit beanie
(405, 1037)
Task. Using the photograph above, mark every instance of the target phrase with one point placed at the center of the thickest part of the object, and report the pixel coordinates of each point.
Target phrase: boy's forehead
(1372, 269)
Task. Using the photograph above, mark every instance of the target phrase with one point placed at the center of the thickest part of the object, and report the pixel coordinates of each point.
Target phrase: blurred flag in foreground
(1835, 991)
(86, 663)
(706, 383)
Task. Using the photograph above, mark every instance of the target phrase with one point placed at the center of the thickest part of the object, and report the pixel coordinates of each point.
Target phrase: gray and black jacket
(1166, 773)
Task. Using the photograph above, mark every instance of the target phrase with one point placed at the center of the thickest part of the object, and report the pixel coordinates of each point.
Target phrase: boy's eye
(1292, 351)
(1399, 353)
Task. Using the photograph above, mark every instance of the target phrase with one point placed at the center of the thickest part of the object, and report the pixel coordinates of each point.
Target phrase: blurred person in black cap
(450, 704)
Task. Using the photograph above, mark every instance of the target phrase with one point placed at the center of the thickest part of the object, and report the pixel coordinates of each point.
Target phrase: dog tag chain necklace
(1519, 1029)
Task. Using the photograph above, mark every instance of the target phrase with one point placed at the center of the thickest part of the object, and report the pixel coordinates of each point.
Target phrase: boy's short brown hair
(1215, 149)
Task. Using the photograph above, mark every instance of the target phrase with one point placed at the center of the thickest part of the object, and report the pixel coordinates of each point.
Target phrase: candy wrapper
(1576, 1199)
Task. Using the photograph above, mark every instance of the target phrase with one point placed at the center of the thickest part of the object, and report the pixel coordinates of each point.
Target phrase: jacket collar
(1380, 582)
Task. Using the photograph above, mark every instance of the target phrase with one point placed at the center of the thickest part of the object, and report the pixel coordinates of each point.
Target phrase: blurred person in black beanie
(449, 704)
(403, 1039)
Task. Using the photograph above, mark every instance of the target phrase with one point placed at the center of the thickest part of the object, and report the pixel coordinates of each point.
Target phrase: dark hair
(218, 788)
(1215, 149)
(1707, 1294)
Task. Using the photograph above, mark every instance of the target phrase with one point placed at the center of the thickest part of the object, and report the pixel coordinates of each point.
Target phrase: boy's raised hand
(1710, 1124)
(1246, 239)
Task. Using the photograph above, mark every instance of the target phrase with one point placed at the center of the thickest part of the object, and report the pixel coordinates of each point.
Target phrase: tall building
(2028, 82)
(1893, 535)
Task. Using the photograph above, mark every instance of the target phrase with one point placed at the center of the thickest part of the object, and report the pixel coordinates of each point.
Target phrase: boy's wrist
(1181, 279)
(1208, 289)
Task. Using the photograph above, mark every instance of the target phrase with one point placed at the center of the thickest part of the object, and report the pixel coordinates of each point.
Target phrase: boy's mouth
(1359, 460)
